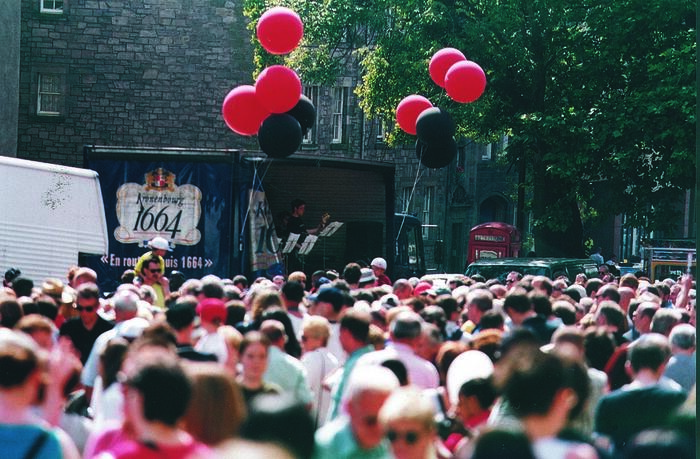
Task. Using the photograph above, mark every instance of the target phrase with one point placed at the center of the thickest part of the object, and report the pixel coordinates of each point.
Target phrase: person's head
(682, 338)
(610, 315)
(408, 418)
(150, 271)
(315, 333)
(406, 327)
(352, 273)
(608, 292)
(159, 246)
(403, 289)
(517, 305)
(253, 354)
(125, 305)
(111, 360)
(354, 329)
(280, 419)
(475, 396)
(547, 389)
(212, 287)
(293, 292)
(298, 207)
(181, 315)
(650, 352)
(217, 409)
(664, 321)
(641, 317)
(20, 363)
(274, 330)
(156, 391)
(478, 302)
(88, 302)
(629, 280)
(599, 346)
(328, 303)
(502, 443)
(212, 312)
(368, 388)
(378, 266)
(39, 327)
(240, 281)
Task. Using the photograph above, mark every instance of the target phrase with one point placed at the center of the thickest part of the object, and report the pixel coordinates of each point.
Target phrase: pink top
(120, 445)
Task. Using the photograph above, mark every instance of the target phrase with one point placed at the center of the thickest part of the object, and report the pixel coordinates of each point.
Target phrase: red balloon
(278, 88)
(465, 82)
(279, 30)
(441, 62)
(242, 110)
(408, 110)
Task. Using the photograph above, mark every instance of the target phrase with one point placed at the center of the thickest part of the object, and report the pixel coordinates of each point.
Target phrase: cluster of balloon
(274, 108)
(464, 82)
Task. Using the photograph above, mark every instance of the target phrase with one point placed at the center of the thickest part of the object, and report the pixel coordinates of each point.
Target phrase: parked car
(498, 268)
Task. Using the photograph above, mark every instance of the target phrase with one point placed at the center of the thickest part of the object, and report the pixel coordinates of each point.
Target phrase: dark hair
(212, 289)
(88, 291)
(18, 358)
(482, 389)
(291, 346)
(518, 302)
(614, 315)
(501, 443)
(22, 286)
(293, 291)
(10, 312)
(357, 323)
(535, 381)
(297, 203)
(448, 304)
(592, 286)
(352, 273)
(398, 368)
(540, 303)
(240, 279)
(165, 388)
(112, 358)
(181, 314)
(176, 279)
(128, 276)
(283, 420)
(492, 319)
(235, 312)
(599, 346)
(609, 291)
(649, 351)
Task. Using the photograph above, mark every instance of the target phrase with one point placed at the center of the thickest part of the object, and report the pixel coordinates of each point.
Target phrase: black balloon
(279, 135)
(435, 125)
(438, 154)
(304, 112)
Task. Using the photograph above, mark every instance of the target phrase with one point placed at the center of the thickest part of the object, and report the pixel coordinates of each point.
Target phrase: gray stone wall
(9, 76)
(136, 73)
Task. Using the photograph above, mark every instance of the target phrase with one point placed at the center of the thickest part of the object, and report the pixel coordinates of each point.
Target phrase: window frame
(339, 115)
(47, 93)
(428, 205)
(311, 137)
(46, 10)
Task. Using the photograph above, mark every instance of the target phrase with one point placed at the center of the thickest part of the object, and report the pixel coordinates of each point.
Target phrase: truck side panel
(50, 214)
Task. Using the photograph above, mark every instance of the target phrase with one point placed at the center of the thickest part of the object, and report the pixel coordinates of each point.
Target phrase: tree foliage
(598, 98)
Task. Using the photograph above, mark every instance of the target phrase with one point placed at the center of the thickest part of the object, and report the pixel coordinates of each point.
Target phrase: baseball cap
(159, 243)
(367, 276)
(211, 309)
(421, 288)
(329, 295)
(379, 262)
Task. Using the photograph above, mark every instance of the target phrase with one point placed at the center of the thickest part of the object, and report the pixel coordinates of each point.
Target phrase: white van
(49, 214)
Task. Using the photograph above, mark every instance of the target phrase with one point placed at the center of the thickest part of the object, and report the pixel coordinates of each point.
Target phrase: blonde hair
(317, 327)
(408, 404)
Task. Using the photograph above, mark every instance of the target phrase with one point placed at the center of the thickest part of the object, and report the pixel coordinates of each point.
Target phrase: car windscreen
(500, 272)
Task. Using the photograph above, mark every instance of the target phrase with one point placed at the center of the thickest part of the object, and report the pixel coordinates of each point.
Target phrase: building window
(428, 199)
(381, 130)
(51, 6)
(339, 113)
(49, 95)
(312, 93)
(486, 153)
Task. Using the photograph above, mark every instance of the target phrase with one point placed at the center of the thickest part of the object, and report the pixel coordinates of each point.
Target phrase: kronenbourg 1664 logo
(158, 208)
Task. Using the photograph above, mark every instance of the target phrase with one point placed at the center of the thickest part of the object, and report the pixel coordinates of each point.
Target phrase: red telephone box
(493, 240)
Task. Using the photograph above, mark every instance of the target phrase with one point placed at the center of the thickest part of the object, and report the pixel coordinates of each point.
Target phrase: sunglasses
(85, 308)
(410, 437)
(157, 270)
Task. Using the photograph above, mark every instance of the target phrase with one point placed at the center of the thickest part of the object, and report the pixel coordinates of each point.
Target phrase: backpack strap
(37, 445)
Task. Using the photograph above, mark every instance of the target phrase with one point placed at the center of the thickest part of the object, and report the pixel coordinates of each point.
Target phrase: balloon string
(419, 174)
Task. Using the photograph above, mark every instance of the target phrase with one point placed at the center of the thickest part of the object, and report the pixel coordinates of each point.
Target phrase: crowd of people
(346, 365)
